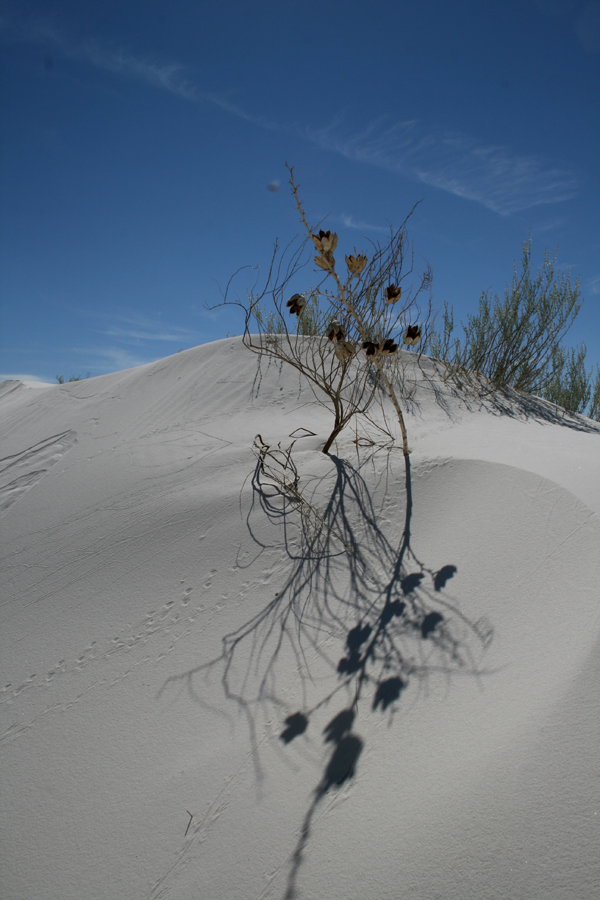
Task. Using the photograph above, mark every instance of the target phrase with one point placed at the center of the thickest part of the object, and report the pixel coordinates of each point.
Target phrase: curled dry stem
(278, 466)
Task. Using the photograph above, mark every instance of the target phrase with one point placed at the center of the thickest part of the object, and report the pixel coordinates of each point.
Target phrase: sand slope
(143, 754)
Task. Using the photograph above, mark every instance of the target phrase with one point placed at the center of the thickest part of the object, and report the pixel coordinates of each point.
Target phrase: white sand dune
(146, 757)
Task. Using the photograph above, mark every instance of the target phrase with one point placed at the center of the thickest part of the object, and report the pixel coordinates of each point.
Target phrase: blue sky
(140, 140)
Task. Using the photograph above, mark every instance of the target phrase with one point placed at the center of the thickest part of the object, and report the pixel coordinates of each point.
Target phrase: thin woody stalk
(342, 294)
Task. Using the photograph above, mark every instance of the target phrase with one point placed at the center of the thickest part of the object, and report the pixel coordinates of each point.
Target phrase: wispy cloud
(550, 225)
(169, 77)
(114, 359)
(593, 285)
(357, 224)
(134, 328)
(127, 330)
(111, 57)
(494, 176)
(101, 55)
(134, 336)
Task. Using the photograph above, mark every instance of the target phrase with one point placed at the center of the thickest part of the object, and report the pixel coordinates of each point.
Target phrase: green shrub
(567, 383)
(594, 410)
(311, 320)
(517, 342)
(61, 378)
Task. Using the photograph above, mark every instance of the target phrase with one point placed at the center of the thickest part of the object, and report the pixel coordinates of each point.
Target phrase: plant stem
(360, 326)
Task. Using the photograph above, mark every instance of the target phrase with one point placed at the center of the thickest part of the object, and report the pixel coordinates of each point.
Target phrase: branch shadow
(352, 582)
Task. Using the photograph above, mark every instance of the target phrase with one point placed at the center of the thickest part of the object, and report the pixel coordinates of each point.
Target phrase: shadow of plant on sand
(351, 585)
(477, 394)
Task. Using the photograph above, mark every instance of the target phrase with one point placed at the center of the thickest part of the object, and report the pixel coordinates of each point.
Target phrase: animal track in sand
(171, 622)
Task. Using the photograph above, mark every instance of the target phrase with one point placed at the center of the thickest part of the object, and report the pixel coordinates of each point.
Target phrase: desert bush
(272, 322)
(594, 410)
(61, 379)
(517, 342)
(567, 383)
(512, 342)
(344, 333)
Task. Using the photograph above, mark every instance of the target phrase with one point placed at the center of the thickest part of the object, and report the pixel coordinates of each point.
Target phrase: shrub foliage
(517, 342)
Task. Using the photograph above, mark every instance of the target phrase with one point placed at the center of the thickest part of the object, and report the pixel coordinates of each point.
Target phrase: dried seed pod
(370, 348)
(325, 241)
(335, 331)
(356, 263)
(329, 241)
(325, 261)
(392, 293)
(296, 304)
(344, 350)
(412, 335)
(389, 347)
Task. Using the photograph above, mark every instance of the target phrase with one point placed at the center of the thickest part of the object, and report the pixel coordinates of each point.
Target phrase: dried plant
(349, 327)
(365, 297)
(277, 466)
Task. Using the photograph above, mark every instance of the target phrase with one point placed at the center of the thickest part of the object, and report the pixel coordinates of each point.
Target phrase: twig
(277, 470)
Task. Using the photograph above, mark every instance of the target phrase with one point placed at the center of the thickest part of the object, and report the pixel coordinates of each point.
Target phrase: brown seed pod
(344, 350)
(392, 293)
(356, 263)
(335, 331)
(370, 348)
(412, 336)
(389, 347)
(325, 241)
(325, 261)
(296, 304)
